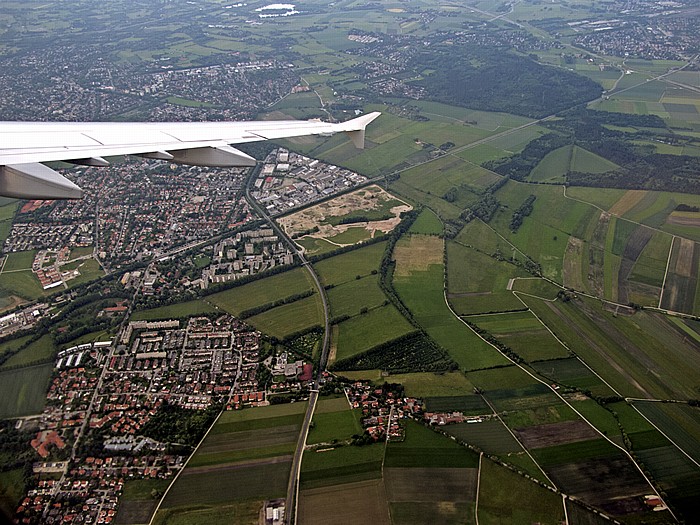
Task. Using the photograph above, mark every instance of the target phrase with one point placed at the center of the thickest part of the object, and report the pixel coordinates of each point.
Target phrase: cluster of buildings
(246, 253)
(448, 418)
(382, 408)
(49, 234)
(662, 38)
(22, 319)
(289, 180)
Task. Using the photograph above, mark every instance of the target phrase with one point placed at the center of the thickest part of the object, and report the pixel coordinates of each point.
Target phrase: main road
(290, 510)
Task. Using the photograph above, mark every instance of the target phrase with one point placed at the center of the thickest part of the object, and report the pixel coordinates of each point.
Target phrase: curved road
(293, 485)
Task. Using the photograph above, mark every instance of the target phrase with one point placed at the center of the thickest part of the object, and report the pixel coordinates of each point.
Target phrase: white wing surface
(25, 145)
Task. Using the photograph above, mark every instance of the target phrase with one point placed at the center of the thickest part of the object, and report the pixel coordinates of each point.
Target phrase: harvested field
(684, 261)
(628, 201)
(684, 219)
(417, 254)
(606, 483)
(555, 434)
(573, 277)
(314, 504)
(424, 513)
(430, 484)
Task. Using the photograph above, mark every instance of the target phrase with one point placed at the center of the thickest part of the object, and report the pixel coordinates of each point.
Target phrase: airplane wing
(24, 146)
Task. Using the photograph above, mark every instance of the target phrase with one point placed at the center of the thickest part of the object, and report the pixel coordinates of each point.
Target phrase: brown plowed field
(361, 502)
(628, 201)
(611, 484)
(555, 434)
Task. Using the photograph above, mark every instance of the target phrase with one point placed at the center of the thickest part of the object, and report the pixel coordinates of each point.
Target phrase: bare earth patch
(417, 254)
(572, 264)
(684, 218)
(556, 434)
(628, 201)
(684, 262)
(368, 199)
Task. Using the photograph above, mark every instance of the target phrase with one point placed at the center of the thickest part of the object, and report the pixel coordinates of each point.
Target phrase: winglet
(355, 128)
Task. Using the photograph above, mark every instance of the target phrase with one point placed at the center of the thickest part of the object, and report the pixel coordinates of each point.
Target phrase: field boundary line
(478, 488)
(664, 435)
(668, 263)
(566, 513)
(556, 393)
(177, 476)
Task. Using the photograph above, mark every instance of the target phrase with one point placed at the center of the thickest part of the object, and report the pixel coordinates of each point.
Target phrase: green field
(506, 497)
(262, 291)
(427, 223)
(21, 283)
(422, 293)
(345, 464)
(377, 326)
(23, 390)
(11, 490)
(347, 266)
(423, 447)
(41, 350)
(333, 426)
(350, 297)
(19, 261)
(290, 318)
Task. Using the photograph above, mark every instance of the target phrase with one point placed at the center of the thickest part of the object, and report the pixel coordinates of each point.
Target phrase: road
(293, 484)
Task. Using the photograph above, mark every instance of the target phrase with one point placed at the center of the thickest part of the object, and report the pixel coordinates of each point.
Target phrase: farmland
(247, 456)
(420, 286)
(23, 390)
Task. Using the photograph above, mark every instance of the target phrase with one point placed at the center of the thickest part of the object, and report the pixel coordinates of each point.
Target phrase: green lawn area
(359, 334)
(262, 291)
(331, 426)
(13, 344)
(11, 490)
(19, 261)
(23, 390)
(425, 384)
(23, 283)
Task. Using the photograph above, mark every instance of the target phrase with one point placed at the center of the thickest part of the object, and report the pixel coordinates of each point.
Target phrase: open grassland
(422, 293)
(477, 283)
(506, 497)
(23, 390)
(468, 403)
(544, 234)
(427, 223)
(523, 410)
(604, 198)
(682, 279)
(347, 266)
(358, 502)
(262, 291)
(352, 296)
(426, 448)
(290, 318)
(347, 464)
(479, 235)
(508, 377)
(377, 326)
(417, 253)
(13, 344)
(175, 311)
(599, 417)
(21, 283)
(40, 350)
(430, 484)
(554, 166)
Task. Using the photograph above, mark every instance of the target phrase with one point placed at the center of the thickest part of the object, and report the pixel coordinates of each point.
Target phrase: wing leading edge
(25, 145)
